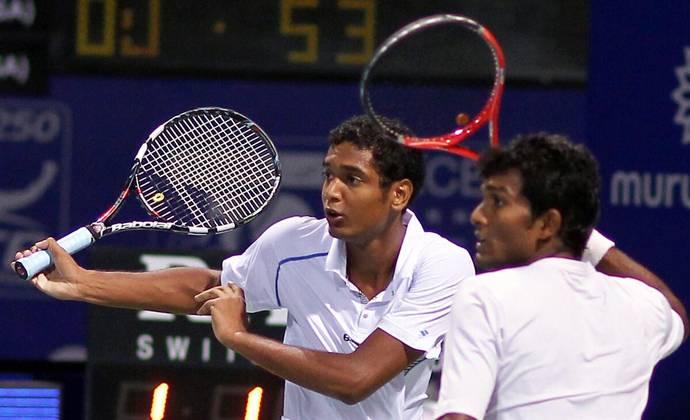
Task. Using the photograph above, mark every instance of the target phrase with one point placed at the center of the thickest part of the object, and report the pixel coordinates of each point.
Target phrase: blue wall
(638, 106)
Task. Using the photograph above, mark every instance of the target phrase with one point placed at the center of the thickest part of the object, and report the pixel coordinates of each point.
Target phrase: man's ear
(401, 192)
(551, 223)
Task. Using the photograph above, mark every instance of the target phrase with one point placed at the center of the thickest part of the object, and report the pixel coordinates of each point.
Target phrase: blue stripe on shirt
(291, 259)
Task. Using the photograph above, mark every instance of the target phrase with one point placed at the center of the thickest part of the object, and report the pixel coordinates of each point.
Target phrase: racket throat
(96, 229)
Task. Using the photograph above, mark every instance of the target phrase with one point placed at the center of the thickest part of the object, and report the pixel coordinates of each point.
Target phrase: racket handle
(28, 267)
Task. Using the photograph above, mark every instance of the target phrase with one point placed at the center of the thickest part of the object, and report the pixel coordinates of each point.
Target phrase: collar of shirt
(580, 275)
(336, 261)
(568, 264)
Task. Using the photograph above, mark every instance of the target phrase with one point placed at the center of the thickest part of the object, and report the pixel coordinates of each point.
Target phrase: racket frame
(83, 237)
(489, 114)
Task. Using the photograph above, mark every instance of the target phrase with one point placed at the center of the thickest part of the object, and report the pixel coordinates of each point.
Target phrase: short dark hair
(393, 161)
(556, 174)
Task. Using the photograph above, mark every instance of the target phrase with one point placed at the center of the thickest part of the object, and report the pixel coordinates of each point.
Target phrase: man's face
(504, 226)
(357, 208)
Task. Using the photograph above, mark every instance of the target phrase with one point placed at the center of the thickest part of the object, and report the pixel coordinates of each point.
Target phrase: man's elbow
(353, 397)
(355, 390)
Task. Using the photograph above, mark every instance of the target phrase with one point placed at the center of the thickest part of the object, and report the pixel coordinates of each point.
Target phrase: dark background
(82, 84)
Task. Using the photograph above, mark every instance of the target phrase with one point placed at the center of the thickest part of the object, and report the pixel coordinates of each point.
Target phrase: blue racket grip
(28, 267)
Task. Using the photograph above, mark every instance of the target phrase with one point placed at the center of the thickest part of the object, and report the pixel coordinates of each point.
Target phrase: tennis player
(546, 336)
(368, 291)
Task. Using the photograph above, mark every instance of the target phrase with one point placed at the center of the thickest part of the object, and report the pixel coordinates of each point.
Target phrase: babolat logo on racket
(140, 225)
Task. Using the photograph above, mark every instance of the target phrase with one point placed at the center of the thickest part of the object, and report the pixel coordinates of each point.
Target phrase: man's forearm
(347, 377)
(170, 290)
(327, 373)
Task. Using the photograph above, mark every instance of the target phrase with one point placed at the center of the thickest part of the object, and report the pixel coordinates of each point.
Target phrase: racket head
(461, 126)
(208, 170)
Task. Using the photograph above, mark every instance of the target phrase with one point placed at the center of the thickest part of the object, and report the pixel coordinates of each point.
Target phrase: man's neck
(371, 266)
(553, 248)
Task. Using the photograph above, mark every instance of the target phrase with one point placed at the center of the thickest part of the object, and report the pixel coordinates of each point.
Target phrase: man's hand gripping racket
(465, 126)
(205, 171)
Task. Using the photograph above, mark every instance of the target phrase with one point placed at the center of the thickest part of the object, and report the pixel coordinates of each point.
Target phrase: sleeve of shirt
(665, 331)
(255, 269)
(470, 355)
(421, 318)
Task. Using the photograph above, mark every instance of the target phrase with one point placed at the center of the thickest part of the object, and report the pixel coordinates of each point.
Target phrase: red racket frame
(489, 114)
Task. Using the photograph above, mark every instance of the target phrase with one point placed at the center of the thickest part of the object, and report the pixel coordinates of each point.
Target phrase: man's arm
(348, 377)
(170, 290)
(616, 263)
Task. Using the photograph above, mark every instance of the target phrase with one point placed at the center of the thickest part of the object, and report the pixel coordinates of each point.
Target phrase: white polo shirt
(554, 340)
(297, 265)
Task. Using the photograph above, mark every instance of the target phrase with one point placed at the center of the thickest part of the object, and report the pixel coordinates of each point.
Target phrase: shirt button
(365, 316)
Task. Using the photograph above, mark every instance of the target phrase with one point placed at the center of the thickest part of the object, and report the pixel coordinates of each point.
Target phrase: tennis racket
(205, 171)
(454, 39)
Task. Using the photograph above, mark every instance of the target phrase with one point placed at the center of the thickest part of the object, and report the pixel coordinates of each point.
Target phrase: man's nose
(331, 189)
(477, 217)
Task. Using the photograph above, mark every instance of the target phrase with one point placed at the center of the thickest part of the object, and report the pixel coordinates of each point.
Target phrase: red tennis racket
(408, 47)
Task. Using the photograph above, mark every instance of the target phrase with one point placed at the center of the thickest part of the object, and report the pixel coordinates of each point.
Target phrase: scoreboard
(316, 38)
(323, 39)
(149, 365)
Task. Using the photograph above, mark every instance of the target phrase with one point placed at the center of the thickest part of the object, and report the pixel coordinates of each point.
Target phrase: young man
(548, 337)
(368, 292)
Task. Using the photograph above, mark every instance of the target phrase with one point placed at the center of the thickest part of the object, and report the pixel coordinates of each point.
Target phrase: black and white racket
(430, 74)
(205, 171)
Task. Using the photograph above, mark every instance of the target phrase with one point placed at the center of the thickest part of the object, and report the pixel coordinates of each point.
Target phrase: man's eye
(353, 180)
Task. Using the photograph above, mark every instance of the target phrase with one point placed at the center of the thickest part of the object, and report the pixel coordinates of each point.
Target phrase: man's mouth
(332, 215)
(480, 241)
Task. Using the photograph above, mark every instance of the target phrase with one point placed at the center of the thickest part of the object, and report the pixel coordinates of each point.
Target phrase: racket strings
(165, 163)
(192, 173)
(246, 158)
(254, 168)
(208, 170)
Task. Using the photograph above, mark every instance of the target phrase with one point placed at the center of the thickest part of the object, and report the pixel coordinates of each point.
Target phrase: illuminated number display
(310, 32)
(278, 36)
(98, 22)
(150, 401)
(136, 393)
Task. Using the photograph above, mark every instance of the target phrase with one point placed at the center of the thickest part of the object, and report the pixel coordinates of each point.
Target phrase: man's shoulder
(635, 290)
(504, 282)
(535, 271)
(302, 226)
(295, 234)
(508, 274)
(422, 239)
(431, 242)
(433, 249)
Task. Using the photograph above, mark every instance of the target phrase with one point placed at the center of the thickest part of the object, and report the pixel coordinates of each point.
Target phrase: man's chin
(486, 263)
(335, 232)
